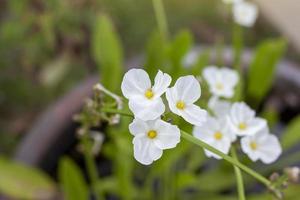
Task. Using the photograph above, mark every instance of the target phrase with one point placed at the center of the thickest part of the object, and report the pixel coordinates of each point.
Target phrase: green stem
(239, 177)
(161, 18)
(238, 45)
(90, 165)
(204, 145)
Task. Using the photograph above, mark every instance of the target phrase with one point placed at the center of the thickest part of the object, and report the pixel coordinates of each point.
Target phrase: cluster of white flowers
(226, 123)
(244, 13)
(151, 134)
(229, 121)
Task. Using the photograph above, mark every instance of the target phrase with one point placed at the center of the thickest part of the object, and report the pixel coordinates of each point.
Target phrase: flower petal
(138, 127)
(269, 148)
(188, 89)
(209, 74)
(135, 82)
(194, 114)
(168, 135)
(219, 107)
(161, 83)
(152, 110)
(141, 153)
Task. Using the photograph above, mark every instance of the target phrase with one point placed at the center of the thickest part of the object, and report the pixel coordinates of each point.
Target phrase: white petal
(194, 114)
(188, 89)
(223, 146)
(255, 125)
(145, 150)
(168, 136)
(269, 148)
(230, 76)
(245, 13)
(161, 83)
(219, 107)
(135, 82)
(209, 74)
(245, 145)
(171, 95)
(138, 127)
(147, 111)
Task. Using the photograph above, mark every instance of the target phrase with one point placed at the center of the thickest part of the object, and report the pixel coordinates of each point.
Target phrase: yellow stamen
(242, 126)
(219, 86)
(149, 94)
(253, 146)
(180, 105)
(218, 135)
(152, 134)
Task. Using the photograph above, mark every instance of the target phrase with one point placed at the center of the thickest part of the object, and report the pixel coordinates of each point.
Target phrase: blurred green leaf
(107, 52)
(202, 61)
(291, 135)
(155, 54)
(178, 49)
(23, 182)
(72, 181)
(270, 113)
(263, 67)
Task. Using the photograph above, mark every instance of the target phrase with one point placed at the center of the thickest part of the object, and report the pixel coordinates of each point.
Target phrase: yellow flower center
(218, 135)
(253, 146)
(180, 105)
(152, 134)
(242, 126)
(149, 94)
(219, 86)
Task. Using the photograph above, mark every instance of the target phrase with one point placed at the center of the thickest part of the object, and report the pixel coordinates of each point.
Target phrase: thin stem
(239, 177)
(204, 145)
(238, 45)
(90, 165)
(161, 18)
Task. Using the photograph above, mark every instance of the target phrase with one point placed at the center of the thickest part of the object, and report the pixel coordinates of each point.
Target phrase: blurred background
(46, 52)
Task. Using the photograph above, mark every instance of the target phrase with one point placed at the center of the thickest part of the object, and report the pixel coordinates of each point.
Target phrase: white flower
(144, 100)
(245, 13)
(242, 120)
(151, 138)
(263, 146)
(190, 59)
(181, 99)
(221, 81)
(232, 1)
(216, 133)
(220, 108)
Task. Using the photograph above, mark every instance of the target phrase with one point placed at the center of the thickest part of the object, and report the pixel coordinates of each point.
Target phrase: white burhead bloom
(144, 99)
(151, 138)
(242, 120)
(216, 133)
(232, 1)
(262, 146)
(190, 58)
(245, 13)
(219, 107)
(181, 99)
(221, 81)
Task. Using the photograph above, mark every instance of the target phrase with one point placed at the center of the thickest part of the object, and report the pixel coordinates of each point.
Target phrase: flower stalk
(239, 177)
(161, 18)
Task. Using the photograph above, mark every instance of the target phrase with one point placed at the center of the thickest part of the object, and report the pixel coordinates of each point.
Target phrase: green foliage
(23, 182)
(179, 47)
(291, 135)
(72, 181)
(263, 67)
(107, 52)
(155, 54)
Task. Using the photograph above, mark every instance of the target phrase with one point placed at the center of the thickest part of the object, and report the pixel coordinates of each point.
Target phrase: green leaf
(202, 61)
(23, 182)
(291, 135)
(72, 181)
(263, 67)
(107, 53)
(155, 54)
(179, 48)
